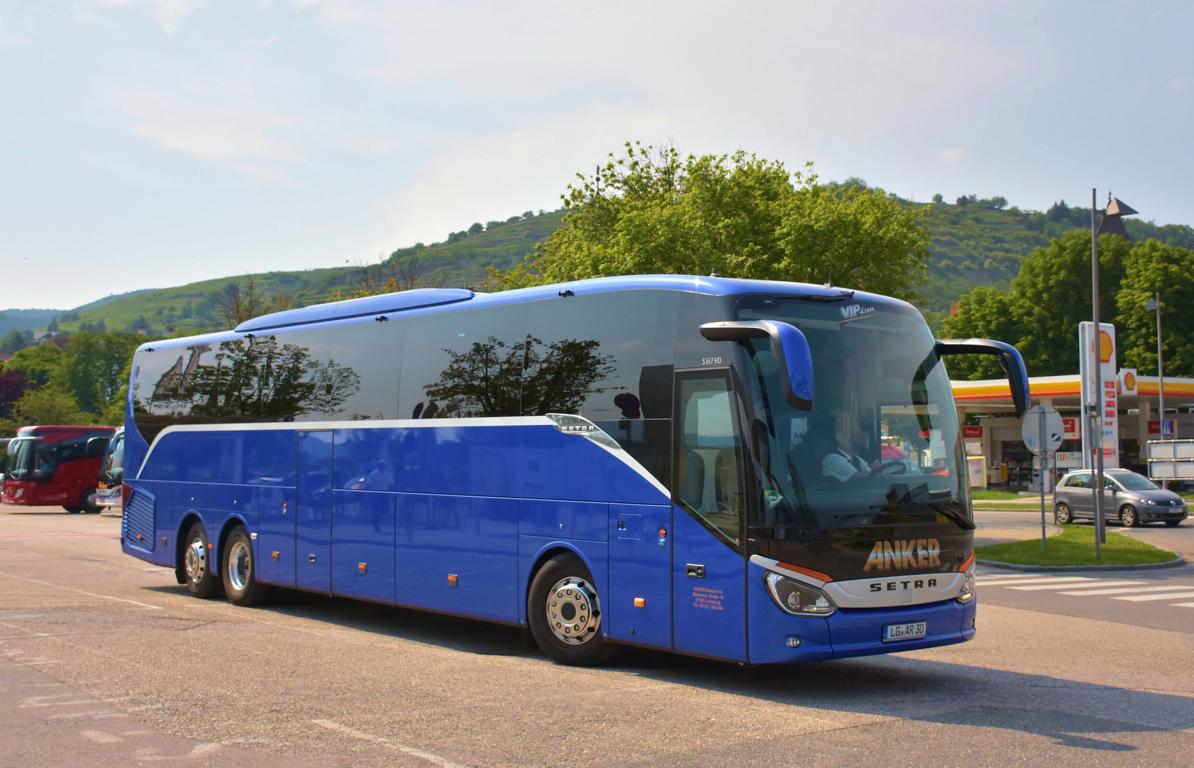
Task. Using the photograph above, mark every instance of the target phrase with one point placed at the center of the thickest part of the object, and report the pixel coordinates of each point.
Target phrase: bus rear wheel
(240, 577)
(564, 613)
(201, 581)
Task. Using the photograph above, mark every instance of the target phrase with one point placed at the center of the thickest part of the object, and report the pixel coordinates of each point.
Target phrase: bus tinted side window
(708, 481)
(592, 355)
(463, 364)
(373, 352)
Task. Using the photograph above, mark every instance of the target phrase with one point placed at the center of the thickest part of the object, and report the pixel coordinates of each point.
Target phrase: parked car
(1128, 497)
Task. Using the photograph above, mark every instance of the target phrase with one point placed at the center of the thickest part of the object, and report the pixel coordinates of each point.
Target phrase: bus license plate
(911, 631)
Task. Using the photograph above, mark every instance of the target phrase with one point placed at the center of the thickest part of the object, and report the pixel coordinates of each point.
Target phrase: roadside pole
(1096, 422)
(1042, 431)
(1044, 466)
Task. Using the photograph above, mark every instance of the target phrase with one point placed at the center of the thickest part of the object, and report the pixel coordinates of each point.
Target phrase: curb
(1174, 563)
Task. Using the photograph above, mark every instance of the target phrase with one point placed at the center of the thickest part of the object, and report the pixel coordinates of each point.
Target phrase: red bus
(55, 465)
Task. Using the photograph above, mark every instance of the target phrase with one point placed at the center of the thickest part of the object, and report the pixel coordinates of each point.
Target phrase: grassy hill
(974, 243)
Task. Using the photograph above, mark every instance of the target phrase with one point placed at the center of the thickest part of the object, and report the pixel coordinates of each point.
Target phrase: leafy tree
(12, 386)
(985, 313)
(1051, 295)
(1153, 267)
(655, 211)
(938, 199)
(37, 363)
(15, 341)
(1047, 299)
(476, 228)
(93, 365)
(52, 326)
(49, 406)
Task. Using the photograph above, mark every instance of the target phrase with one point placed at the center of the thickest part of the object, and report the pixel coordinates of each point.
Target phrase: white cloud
(170, 13)
(495, 176)
(214, 128)
(1179, 84)
(952, 155)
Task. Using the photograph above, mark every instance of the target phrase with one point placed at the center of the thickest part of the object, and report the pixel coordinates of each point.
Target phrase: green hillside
(974, 242)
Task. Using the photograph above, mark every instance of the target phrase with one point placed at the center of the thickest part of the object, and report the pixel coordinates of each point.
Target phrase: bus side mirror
(1009, 360)
(96, 446)
(788, 345)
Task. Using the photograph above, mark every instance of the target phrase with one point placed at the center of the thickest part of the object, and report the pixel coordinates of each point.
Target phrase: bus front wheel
(564, 613)
(197, 566)
(240, 576)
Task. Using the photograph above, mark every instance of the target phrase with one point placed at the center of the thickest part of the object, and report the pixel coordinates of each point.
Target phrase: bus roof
(449, 299)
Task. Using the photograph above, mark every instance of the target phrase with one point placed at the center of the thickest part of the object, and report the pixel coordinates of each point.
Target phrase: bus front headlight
(966, 593)
(796, 598)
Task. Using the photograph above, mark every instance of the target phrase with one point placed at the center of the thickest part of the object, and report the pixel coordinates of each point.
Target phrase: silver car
(1128, 497)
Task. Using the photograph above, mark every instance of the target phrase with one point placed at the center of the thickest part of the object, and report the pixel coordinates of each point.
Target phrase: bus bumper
(777, 637)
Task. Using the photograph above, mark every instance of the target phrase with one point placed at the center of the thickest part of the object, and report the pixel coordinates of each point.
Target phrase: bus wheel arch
(198, 561)
(238, 567)
(180, 545)
(562, 586)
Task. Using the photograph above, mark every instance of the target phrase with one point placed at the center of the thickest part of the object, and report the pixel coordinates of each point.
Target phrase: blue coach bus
(743, 470)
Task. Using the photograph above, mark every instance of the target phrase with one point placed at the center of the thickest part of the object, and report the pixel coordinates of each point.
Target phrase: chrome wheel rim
(239, 565)
(1130, 517)
(573, 612)
(196, 560)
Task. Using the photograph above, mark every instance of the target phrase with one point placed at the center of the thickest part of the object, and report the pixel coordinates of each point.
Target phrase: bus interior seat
(816, 444)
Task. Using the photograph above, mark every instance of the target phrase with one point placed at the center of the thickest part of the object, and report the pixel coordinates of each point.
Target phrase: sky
(151, 143)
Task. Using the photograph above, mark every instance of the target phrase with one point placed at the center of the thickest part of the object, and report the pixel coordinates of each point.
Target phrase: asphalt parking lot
(105, 660)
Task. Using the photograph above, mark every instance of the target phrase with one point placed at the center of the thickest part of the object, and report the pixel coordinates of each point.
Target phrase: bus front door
(313, 516)
(709, 570)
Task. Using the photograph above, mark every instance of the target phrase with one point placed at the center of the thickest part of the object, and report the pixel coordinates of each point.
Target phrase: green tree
(49, 406)
(1051, 295)
(92, 366)
(15, 341)
(1153, 267)
(655, 211)
(38, 364)
(983, 313)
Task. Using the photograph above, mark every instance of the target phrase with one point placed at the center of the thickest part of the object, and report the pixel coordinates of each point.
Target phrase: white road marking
(1169, 596)
(81, 592)
(986, 577)
(1038, 580)
(1041, 587)
(101, 737)
(1119, 591)
(55, 700)
(1184, 605)
(331, 725)
(150, 755)
(101, 714)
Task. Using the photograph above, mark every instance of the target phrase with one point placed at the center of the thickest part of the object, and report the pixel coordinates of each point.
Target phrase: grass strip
(1075, 546)
(987, 494)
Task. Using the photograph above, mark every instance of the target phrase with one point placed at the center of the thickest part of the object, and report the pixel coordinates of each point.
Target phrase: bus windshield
(22, 456)
(113, 465)
(880, 446)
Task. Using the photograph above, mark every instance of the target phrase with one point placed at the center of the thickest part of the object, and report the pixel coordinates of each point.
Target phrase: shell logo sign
(1127, 381)
(1106, 346)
